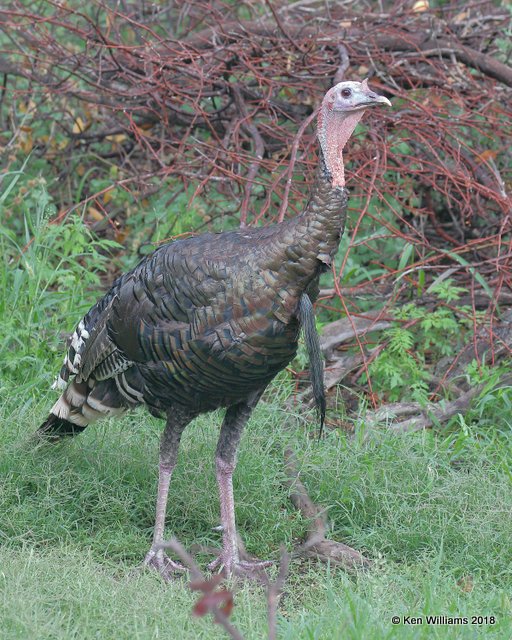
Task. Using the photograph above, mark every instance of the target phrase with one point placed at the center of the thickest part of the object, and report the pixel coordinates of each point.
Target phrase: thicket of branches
(221, 97)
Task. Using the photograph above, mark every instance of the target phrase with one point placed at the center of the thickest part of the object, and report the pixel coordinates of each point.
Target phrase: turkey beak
(361, 99)
(371, 99)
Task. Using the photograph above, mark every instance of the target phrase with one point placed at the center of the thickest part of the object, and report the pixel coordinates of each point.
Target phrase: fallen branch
(340, 368)
(426, 417)
(439, 412)
(346, 329)
(316, 545)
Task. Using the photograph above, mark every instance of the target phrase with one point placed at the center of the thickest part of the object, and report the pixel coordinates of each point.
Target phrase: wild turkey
(207, 322)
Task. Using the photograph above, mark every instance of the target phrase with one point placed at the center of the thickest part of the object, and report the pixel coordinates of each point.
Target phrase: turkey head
(341, 110)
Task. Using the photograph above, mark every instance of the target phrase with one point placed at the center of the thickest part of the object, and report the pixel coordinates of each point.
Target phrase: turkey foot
(239, 563)
(167, 568)
(251, 569)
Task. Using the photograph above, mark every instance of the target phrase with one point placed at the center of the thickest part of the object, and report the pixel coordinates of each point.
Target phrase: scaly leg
(169, 445)
(225, 462)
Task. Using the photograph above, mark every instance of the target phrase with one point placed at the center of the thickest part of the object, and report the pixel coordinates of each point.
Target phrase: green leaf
(478, 276)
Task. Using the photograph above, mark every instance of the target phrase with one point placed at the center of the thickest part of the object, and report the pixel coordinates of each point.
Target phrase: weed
(50, 275)
(419, 338)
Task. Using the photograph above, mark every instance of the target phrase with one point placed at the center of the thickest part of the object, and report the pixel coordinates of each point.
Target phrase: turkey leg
(225, 463)
(177, 420)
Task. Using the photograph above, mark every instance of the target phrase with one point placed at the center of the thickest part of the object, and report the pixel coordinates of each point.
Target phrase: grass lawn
(432, 510)
(434, 513)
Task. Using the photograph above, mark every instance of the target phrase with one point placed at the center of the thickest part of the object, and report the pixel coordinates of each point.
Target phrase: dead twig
(274, 591)
(316, 545)
(438, 412)
(259, 150)
(344, 64)
(291, 165)
(210, 605)
(220, 602)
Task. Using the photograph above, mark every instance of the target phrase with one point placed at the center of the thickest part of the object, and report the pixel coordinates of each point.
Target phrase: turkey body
(203, 322)
(207, 322)
(207, 329)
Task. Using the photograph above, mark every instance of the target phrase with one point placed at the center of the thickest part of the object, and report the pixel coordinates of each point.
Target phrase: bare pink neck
(334, 130)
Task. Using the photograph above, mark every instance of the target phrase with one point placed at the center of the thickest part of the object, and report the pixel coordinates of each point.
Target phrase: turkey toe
(167, 568)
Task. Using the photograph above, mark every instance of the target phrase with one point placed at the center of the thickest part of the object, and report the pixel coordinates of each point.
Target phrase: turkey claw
(249, 569)
(158, 560)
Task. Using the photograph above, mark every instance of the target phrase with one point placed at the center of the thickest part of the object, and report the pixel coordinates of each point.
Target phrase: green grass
(76, 522)
(432, 510)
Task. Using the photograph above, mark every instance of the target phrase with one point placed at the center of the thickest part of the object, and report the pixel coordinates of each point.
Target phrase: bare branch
(316, 545)
(274, 591)
(197, 575)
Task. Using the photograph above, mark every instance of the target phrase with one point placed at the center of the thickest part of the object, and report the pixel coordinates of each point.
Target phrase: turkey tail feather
(80, 404)
(316, 367)
(55, 428)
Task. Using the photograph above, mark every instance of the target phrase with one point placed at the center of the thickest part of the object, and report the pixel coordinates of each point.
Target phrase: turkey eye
(346, 93)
